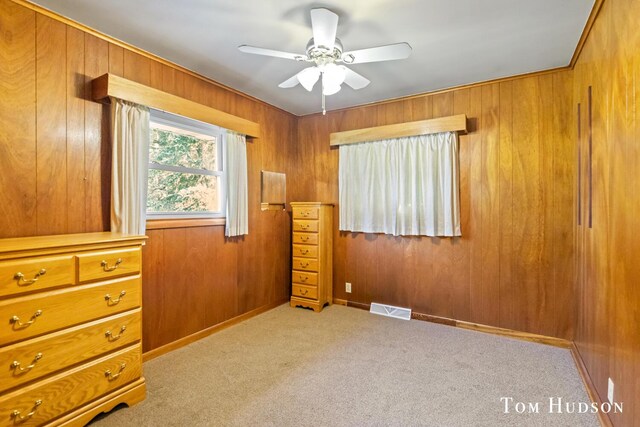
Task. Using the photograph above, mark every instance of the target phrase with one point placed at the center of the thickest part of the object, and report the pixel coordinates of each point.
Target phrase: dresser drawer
(304, 278)
(307, 264)
(35, 274)
(305, 238)
(305, 251)
(62, 393)
(104, 265)
(304, 225)
(50, 311)
(50, 353)
(305, 291)
(305, 213)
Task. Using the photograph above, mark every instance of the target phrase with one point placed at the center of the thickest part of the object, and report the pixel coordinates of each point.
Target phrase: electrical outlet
(610, 391)
(347, 287)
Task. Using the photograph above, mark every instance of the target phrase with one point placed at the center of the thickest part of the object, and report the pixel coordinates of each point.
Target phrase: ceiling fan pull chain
(324, 110)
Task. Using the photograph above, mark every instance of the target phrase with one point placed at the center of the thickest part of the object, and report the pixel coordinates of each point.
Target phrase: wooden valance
(457, 123)
(110, 85)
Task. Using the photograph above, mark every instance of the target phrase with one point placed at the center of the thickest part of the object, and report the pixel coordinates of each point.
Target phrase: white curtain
(130, 161)
(235, 163)
(404, 186)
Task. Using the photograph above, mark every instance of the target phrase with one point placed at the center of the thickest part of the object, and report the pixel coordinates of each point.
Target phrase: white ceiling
(454, 42)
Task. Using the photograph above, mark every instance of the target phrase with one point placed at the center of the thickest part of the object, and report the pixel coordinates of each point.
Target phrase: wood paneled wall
(513, 266)
(608, 314)
(55, 173)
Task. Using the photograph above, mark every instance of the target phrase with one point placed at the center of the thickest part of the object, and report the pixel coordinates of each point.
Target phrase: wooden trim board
(110, 85)
(457, 123)
(159, 224)
(152, 354)
(604, 419)
(494, 330)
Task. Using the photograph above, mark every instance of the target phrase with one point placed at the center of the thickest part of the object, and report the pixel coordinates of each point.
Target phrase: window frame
(191, 125)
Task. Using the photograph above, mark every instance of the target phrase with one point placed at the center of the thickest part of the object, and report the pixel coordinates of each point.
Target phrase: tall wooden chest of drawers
(70, 327)
(312, 255)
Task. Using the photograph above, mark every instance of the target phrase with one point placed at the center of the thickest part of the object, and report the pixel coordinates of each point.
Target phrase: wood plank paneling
(494, 273)
(195, 278)
(17, 120)
(51, 159)
(607, 332)
(97, 148)
(76, 214)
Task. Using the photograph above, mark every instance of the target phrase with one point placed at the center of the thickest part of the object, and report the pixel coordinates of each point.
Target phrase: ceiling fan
(326, 52)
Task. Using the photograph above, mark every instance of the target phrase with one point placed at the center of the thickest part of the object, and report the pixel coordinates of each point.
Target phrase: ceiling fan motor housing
(322, 54)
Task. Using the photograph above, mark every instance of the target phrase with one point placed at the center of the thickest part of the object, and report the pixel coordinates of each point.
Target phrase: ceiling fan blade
(270, 52)
(324, 24)
(290, 82)
(355, 80)
(380, 53)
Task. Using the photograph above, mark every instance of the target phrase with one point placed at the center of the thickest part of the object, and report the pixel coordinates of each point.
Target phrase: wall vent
(390, 311)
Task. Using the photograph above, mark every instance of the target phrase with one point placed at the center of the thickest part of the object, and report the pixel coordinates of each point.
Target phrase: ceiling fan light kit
(325, 51)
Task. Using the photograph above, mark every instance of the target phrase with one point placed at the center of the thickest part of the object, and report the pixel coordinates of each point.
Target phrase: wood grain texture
(51, 159)
(607, 333)
(17, 120)
(214, 279)
(97, 160)
(75, 150)
(454, 123)
(137, 88)
(506, 269)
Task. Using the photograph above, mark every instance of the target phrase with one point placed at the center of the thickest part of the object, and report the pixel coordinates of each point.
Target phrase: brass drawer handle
(111, 301)
(304, 291)
(17, 418)
(111, 376)
(304, 278)
(17, 369)
(303, 265)
(304, 251)
(17, 322)
(305, 213)
(112, 337)
(105, 265)
(304, 238)
(20, 277)
(304, 226)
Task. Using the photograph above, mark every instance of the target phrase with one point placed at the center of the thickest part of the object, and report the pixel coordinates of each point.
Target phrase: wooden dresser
(70, 327)
(312, 255)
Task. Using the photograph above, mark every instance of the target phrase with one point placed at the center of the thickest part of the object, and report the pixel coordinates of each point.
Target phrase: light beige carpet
(347, 367)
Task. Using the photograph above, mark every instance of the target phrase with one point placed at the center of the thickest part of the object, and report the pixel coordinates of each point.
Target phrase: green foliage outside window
(174, 191)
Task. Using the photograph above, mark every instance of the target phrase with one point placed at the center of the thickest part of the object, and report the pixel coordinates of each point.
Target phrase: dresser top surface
(310, 204)
(20, 244)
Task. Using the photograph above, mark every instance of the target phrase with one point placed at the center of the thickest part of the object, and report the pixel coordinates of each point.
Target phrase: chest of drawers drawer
(307, 264)
(108, 264)
(36, 274)
(35, 358)
(305, 238)
(305, 225)
(33, 315)
(304, 291)
(42, 401)
(305, 212)
(304, 278)
(305, 251)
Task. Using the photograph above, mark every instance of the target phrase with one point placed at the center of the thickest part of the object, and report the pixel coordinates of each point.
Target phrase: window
(186, 178)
